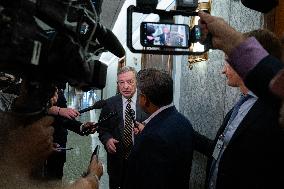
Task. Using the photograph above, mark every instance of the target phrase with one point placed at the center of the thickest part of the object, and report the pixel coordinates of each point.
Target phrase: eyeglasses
(129, 82)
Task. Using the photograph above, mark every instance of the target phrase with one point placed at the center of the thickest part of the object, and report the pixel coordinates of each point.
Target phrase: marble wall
(204, 97)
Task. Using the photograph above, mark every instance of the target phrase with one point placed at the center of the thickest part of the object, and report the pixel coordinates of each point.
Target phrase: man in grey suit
(113, 133)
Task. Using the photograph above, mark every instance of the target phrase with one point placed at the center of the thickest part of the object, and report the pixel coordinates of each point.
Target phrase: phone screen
(153, 34)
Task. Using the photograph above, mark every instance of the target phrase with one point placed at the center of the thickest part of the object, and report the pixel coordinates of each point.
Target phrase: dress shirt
(133, 103)
(156, 113)
(133, 106)
(228, 133)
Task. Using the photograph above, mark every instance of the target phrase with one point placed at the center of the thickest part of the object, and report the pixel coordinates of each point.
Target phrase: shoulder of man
(114, 98)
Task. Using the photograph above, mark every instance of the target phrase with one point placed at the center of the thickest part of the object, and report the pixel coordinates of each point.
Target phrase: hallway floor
(78, 158)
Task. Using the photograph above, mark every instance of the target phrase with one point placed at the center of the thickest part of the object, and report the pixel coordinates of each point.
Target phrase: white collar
(156, 113)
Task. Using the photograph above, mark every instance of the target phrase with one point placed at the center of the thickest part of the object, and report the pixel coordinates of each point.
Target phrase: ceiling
(110, 11)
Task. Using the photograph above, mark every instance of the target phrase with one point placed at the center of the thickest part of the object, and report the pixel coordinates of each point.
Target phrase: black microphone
(98, 105)
(109, 41)
(87, 131)
(132, 116)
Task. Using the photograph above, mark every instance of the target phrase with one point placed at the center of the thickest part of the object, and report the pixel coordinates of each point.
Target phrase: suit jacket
(113, 128)
(254, 155)
(162, 38)
(258, 79)
(162, 155)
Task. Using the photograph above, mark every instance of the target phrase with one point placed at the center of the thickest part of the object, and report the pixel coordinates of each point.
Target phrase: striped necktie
(127, 132)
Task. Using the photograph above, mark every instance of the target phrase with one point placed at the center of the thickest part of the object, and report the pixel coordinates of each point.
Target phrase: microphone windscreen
(263, 6)
(109, 41)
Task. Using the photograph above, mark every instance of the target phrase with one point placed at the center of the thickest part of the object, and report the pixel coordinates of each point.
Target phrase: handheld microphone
(87, 131)
(98, 105)
(132, 115)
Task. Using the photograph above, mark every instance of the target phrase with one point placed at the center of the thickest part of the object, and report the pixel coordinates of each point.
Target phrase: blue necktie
(235, 111)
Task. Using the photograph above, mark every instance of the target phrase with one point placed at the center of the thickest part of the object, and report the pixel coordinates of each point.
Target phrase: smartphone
(195, 34)
(96, 152)
(155, 34)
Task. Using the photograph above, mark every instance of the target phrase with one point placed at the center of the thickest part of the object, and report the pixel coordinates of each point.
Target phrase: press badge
(218, 147)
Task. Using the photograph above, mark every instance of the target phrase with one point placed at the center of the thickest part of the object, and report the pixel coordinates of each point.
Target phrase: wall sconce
(206, 6)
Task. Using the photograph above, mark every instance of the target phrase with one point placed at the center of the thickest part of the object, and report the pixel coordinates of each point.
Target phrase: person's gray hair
(127, 69)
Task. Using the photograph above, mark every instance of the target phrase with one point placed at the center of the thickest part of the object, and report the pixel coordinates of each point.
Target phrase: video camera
(165, 36)
(49, 41)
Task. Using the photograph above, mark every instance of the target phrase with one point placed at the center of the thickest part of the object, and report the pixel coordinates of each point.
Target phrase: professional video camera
(49, 41)
(165, 36)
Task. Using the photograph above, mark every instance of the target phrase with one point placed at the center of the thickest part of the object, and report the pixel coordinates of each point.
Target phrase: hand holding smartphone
(95, 153)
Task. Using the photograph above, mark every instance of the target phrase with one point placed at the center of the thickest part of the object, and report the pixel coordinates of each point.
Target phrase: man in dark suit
(246, 150)
(162, 154)
(149, 34)
(112, 133)
(165, 36)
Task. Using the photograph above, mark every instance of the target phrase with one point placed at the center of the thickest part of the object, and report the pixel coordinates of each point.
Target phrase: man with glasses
(116, 134)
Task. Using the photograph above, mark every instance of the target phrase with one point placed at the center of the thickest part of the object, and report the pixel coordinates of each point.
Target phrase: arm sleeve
(70, 124)
(104, 129)
(255, 66)
(203, 144)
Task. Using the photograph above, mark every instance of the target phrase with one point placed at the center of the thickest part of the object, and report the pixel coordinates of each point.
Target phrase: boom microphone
(98, 105)
(87, 131)
(109, 41)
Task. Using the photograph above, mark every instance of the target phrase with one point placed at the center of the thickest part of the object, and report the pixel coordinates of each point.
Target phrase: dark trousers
(117, 181)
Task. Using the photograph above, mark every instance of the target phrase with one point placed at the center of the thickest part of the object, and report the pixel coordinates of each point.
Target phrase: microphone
(87, 131)
(132, 116)
(109, 41)
(98, 105)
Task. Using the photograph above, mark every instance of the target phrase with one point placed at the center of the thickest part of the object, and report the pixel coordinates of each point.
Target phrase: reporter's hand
(55, 147)
(150, 37)
(139, 128)
(95, 167)
(224, 37)
(68, 113)
(90, 126)
(110, 145)
(90, 179)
